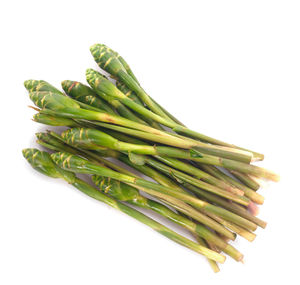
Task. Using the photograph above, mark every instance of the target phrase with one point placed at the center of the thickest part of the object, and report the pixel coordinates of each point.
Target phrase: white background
(229, 69)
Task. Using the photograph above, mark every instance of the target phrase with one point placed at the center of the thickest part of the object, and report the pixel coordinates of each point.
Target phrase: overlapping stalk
(41, 161)
(50, 141)
(127, 193)
(107, 59)
(203, 184)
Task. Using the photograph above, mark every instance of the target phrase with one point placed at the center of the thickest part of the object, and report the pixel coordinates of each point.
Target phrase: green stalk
(175, 163)
(158, 138)
(233, 227)
(95, 140)
(54, 120)
(80, 165)
(217, 210)
(54, 142)
(103, 86)
(168, 114)
(148, 171)
(85, 94)
(43, 87)
(41, 161)
(130, 94)
(192, 134)
(190, 169)
(255, 197)
(225, 204)
(98, 139)
(56, 104)
(247, 180)
(189, 211)
(66, 107)
(80, 92)
(214, 265)
(163, 138)
(127, 193)
(173, 202)
(107, 60)
(59, 105)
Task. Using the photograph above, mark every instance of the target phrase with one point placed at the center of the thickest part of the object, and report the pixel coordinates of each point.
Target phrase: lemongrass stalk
(127, 193)
(41, 161)
(246, 179)
(103, 86)
(255, 197)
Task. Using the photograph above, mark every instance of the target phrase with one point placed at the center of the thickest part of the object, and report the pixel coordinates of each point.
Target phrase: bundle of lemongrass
(203, 184)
